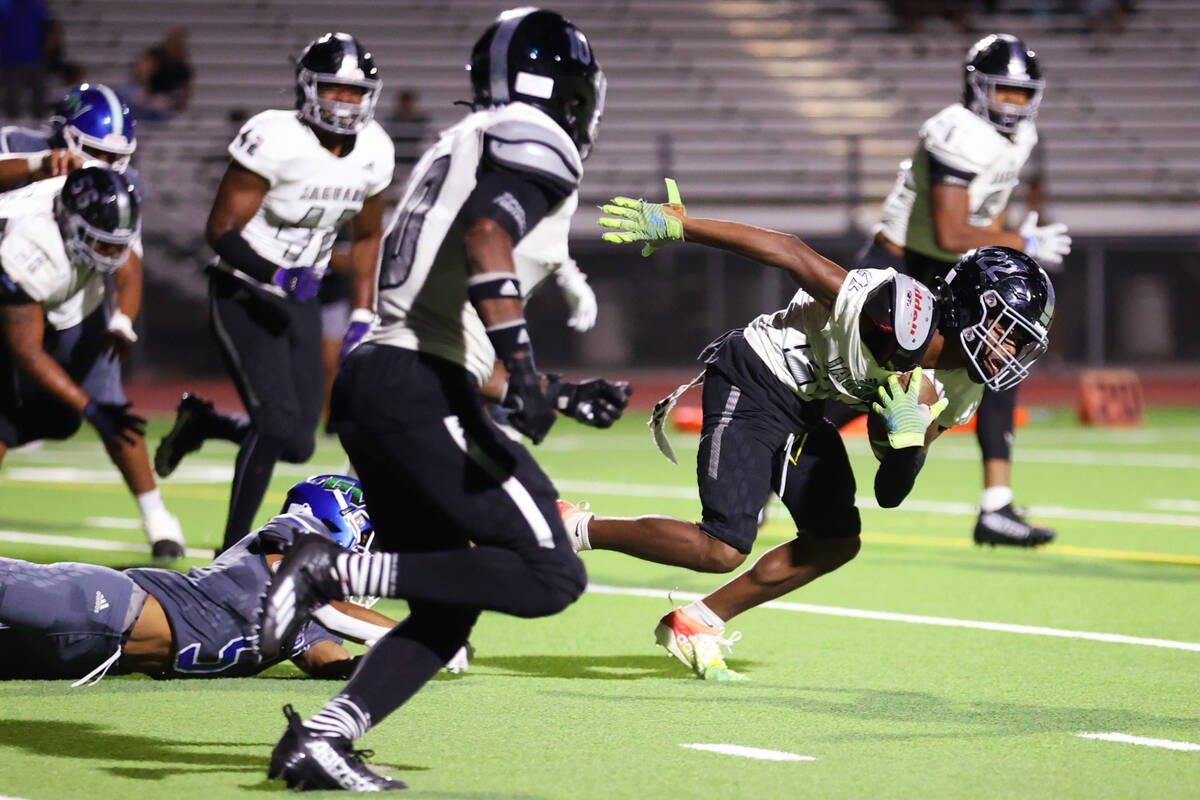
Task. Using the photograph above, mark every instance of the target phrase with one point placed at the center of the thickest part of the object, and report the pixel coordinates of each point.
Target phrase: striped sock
(341, 717)
(367, 573)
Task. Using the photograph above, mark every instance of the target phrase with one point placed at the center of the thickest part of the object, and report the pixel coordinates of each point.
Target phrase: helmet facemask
(337, 116)
(1003, 345)
(114, 149)
(1005, 117)
(592, 131)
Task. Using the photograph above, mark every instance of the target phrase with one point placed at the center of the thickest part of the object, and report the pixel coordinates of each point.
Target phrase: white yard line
(90, 544)
(1145, 741)
(113, 522)
(632, 591)
(1171, 504)
(749, 752)
(584, 488)
(916, 619)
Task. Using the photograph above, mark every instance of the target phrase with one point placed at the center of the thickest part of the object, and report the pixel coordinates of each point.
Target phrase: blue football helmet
(99, 216)
(93, 123)
(337, 501)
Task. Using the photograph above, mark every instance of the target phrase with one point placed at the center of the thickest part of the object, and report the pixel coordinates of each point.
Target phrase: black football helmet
(336, 58)
(1001, 303)
(538, 57)
(1002, 61)
(99, 216)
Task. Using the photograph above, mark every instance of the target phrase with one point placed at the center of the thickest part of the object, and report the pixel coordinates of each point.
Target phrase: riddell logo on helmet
(913, 298)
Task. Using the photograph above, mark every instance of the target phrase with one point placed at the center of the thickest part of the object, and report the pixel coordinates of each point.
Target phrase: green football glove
(906, 416)
(640, 221)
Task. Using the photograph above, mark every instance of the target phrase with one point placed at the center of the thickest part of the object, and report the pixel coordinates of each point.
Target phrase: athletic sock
(996, 497)
(341, 717)
(367, 573)
(704, 615)
(149, 502)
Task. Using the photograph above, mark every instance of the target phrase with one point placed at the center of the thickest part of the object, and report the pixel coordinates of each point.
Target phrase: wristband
(362, 315)
(120, 324)
(493, 285)
(509, 339)
(37, 160)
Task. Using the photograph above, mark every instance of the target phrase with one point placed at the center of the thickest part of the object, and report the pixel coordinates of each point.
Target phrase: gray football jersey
(212, 609)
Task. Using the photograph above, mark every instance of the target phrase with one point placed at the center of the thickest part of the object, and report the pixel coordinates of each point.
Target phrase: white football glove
(581, 300)
(121, 325)
(1047, 243)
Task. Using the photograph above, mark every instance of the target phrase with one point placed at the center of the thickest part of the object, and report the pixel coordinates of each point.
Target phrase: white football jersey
(964, 141)
(422, 300)
(819, 354)
(312, 193)
(33, 257)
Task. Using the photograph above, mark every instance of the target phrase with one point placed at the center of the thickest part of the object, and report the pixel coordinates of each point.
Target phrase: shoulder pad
(530, 149)
(960, 139)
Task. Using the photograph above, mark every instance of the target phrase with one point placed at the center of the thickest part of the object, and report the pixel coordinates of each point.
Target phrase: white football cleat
(697, 646)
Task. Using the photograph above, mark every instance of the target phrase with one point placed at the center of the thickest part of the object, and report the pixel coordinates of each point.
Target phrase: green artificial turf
(582, 705)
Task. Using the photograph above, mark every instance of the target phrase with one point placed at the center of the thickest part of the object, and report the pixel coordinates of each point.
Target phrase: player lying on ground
(70, 620)
(843, 335)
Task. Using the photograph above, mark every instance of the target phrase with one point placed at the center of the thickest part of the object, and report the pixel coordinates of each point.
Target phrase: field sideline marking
(915, 619)
(1145, 741)
(749, 752)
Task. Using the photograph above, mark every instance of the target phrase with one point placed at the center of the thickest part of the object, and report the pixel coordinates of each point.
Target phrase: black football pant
(272, 349)
(472, 514)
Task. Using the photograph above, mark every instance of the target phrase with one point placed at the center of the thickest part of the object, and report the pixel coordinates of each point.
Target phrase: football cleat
(308, 761)
(697, 646)
(575, 519)
(185, 436)
(305, 581)
(1006, 526)
(166, 550)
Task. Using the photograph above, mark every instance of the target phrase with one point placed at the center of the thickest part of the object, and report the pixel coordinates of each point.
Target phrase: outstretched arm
(658, 224)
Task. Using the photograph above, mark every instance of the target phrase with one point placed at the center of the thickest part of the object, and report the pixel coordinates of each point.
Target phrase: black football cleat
(310, 762)
(185, 436)
(166, 550)
(304, 581)
(1006, 526)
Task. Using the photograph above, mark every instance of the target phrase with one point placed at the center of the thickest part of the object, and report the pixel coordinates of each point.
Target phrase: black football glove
(594, 402)
(532, 412)
(114, 423)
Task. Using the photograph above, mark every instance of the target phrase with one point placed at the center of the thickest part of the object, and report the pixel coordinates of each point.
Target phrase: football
(877, 428)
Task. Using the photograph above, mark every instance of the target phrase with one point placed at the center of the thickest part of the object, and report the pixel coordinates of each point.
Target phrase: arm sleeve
(896, 475)
(515, 201)
(942, 172)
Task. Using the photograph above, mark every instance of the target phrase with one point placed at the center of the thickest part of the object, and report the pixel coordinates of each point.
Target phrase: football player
(296, 177)
(407, 404)
(70, 620)
(61, 238)
(844, 335)
(950, 197)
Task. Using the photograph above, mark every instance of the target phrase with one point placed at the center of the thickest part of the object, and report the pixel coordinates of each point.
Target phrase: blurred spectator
(135, 90)
(408, 126)
(171, 80)
(22, 62)
(68, 72)
(1102, 16)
